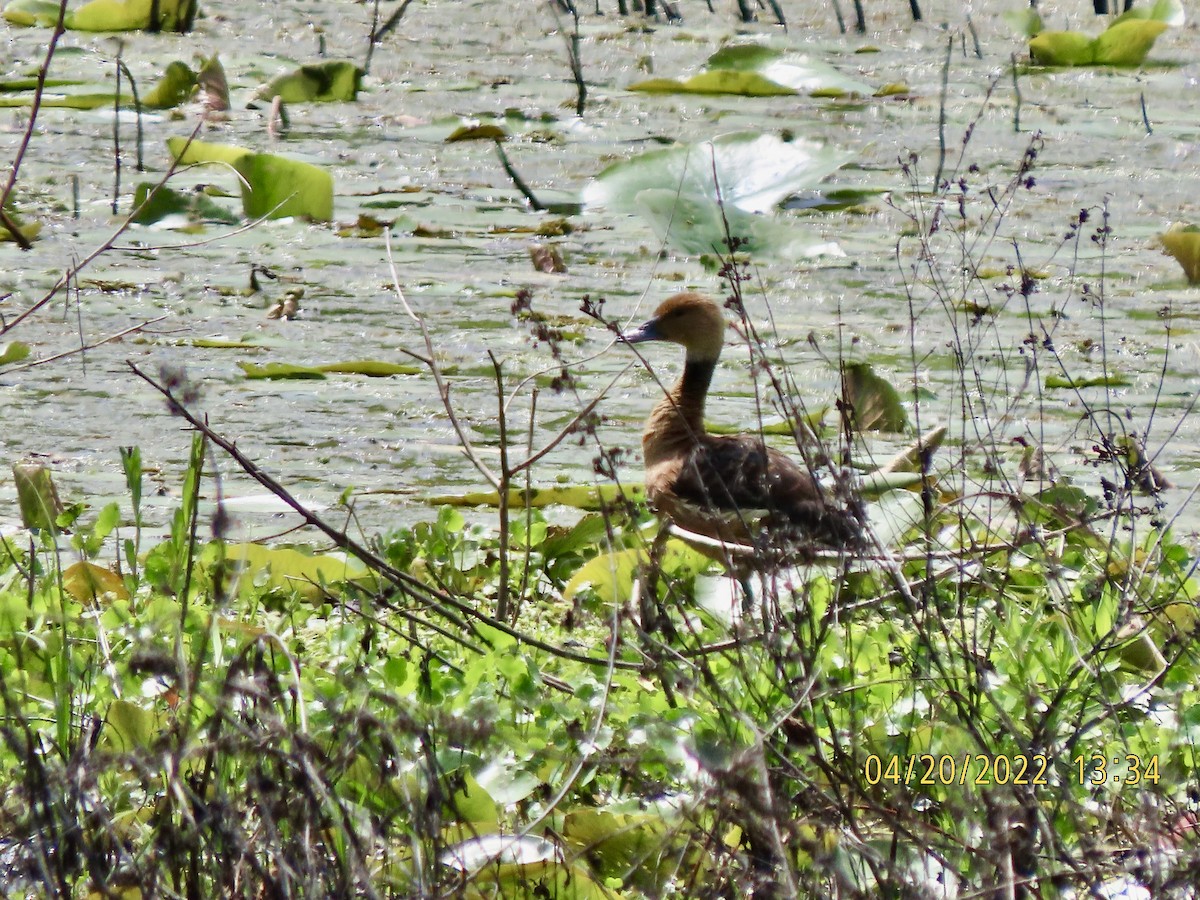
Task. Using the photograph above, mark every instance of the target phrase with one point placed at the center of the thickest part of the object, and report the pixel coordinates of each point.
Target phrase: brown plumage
(727, 487)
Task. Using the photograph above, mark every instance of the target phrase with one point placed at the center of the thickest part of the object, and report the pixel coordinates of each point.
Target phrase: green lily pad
(272, 186)
(13, 351)
(1067, 381)
(28, 13)
(876, 402)
(697, 226)
(332, 81)
(755, 172)
(715, 81)
(1126, 43)
(131, 15)
(370, 367)
(176, 85)
(1182, 243)
(280, 371)
(1169, 11)
(190, 207)
(791, 70)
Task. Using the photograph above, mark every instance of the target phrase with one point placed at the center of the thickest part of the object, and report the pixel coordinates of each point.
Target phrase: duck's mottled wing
(739, 474)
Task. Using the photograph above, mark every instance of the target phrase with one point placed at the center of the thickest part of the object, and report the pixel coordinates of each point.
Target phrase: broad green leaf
(876, 403)
(697, 226)
(1182, 242)
(324, 82)
(790, 70)
(370, 367)
(271, 185)
(176, 85)
(13, 351)
(283, 567)
(755, 172)
(1169, 11)
(1127, 43)
(716, 81)
(32, 12)
(128, 727)
(191, 153)
(610, 575)
(280, 371)
(129, 15)
(189, 207)
(1061, 48)
(83, 100)
(1070, 381)
(277, 188)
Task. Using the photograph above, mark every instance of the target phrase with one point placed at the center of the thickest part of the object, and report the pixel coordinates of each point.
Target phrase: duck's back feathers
(734, 487)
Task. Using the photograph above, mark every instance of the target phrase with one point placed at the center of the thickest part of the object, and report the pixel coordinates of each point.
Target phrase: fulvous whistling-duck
(722, 486)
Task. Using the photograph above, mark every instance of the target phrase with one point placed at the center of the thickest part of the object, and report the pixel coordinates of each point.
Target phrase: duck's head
(692, 321)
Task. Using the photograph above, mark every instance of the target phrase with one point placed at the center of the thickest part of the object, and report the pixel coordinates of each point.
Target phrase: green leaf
(790, 70)
(189, 153)
(129, 727)
(716, 81)
(1127, 42)
(876, 403)
(1061, 48)
(370, 367)
(281, 371)
(697, 226)
(175, 86)
(1069, 381)
(271, 185)
(32, 12)
(191, 207)
(1181, 242)
(277, 188)
(13, 351)
(325, 82)
(130, 15)
(1169, 11)
(755, 171)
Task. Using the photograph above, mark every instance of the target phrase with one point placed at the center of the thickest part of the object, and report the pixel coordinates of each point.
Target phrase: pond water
(462, 236)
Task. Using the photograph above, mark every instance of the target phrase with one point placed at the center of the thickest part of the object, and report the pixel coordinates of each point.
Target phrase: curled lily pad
(176, 85)
(132, 15)
(280, 371)
(1126, 43)
(32, 12)
(752, 70)
(1182, 242)
(1169, 11)
(331, 81)
(755, 172)
(272, 186)
(13, 351)
(876, 402)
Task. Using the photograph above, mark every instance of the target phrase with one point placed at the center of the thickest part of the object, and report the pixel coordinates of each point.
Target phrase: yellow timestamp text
(970, 769)
(1131, 769)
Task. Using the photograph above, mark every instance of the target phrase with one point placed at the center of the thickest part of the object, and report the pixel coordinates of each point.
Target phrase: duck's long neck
(678, 420)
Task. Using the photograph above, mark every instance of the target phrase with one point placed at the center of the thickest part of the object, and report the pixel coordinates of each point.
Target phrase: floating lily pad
(332, 81)
(1169, 11)
(272, 186)
(1182, 242)
(28, 13)
(370, 367)
(132, 15)
(876, 402)
(176, 209)
(755, 172)
(1126, 43)
(752, 70)
(587, 497)
(280, 371)
(176, 85)
(13, 351)
(1068, 381)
